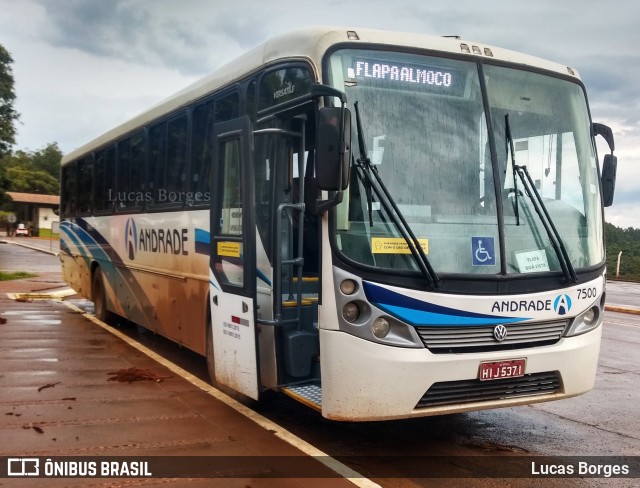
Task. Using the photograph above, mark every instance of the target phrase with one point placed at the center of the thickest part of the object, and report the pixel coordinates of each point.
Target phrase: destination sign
(408, 76)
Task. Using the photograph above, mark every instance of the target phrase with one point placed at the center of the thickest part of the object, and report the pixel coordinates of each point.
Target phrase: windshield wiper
(366, 184)
(370, 174)
(509, 145)
(541, 210)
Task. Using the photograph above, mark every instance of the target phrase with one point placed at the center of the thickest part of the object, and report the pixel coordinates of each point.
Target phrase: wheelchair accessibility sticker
(483, 251)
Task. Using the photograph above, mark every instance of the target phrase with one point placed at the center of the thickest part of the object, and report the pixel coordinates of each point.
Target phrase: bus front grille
(443, 340)
(467, 391)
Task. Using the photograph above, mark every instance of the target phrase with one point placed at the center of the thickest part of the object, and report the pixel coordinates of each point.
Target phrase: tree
(627, 241)
(48, 159)
(33, 171)
(8, 115)
(30, 181)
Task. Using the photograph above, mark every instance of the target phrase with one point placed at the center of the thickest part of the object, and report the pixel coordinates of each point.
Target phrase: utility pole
(618, 266)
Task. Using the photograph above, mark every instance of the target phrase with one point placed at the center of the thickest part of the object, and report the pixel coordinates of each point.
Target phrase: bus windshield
(449, 167)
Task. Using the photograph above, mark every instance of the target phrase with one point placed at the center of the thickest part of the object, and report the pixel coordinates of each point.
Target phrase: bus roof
(311, 44)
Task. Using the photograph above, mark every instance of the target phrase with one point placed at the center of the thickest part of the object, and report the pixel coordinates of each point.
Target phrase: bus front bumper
(363, 381)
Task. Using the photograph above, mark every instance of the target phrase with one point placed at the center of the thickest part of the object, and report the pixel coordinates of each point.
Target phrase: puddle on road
(40, 321)
(28, 317)
(19, 312)
(83, 304)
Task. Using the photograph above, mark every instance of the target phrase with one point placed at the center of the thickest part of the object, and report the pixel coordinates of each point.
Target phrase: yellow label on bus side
(230, 249)
(395, 245)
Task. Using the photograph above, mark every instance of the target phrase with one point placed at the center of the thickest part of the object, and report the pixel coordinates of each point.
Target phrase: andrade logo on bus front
(562, 304)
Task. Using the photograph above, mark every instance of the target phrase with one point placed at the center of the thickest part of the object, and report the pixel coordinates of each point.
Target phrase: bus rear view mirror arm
(606, 132)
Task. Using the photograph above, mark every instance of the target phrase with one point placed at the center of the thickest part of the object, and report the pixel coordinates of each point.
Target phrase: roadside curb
(615, 308)
(34, 248)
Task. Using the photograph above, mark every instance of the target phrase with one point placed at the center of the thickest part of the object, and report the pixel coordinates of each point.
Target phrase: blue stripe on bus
(69, 231)
(92, 245)
(202, 236)
(262, 277)
(79, 235)
(202, 240)
(418, 312)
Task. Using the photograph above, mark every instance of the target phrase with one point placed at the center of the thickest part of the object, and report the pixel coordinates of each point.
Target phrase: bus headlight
(351, 312)
(590, 316)
(380, 327)
(348, 287)
(589, 320)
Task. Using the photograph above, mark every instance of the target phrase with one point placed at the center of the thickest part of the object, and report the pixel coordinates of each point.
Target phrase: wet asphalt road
(603, 422)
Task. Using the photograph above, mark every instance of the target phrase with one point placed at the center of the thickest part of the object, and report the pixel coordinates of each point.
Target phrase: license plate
(496, 370)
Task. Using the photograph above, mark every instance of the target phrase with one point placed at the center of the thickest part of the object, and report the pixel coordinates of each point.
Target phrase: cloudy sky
(83, 66)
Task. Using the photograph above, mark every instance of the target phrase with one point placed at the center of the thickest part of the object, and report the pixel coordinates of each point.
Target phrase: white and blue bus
(381, 225)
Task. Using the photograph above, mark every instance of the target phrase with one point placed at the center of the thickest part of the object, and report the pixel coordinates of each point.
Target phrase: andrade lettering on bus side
(166, 241)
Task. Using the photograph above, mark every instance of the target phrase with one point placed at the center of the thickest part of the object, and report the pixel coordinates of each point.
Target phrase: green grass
(14, 275)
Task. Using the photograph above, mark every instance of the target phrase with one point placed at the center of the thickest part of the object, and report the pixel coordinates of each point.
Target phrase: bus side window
(70, 192)
(202, 147)
(168, 165)
(176, 170)
(85, 184)
(205, 116)
(131, 159)
(104, 178)
(227, 108)
(157, 159)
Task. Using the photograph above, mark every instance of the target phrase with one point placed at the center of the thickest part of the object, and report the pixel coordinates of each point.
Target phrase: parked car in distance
(22, 231)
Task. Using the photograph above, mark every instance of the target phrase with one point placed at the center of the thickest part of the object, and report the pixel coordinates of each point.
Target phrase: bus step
(310, 395)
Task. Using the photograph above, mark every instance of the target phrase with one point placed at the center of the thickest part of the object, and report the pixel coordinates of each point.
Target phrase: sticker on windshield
(532, 261)
(483, 251)
(395, 245)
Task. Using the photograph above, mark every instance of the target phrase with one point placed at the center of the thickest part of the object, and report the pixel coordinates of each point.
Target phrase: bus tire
(99, 295)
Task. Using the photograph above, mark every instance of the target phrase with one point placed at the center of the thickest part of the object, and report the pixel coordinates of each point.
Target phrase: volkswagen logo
(500, 332)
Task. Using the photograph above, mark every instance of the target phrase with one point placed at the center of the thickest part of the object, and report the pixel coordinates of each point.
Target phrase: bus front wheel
(99, 296)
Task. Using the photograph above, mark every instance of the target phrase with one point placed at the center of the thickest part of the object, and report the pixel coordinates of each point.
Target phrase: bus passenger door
(233, 259)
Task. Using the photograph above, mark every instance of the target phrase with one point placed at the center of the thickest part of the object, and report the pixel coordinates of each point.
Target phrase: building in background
(37, 212)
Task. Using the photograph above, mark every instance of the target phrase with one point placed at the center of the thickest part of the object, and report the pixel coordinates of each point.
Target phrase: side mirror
(609, 164)
(333, 148)
(609, 169)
